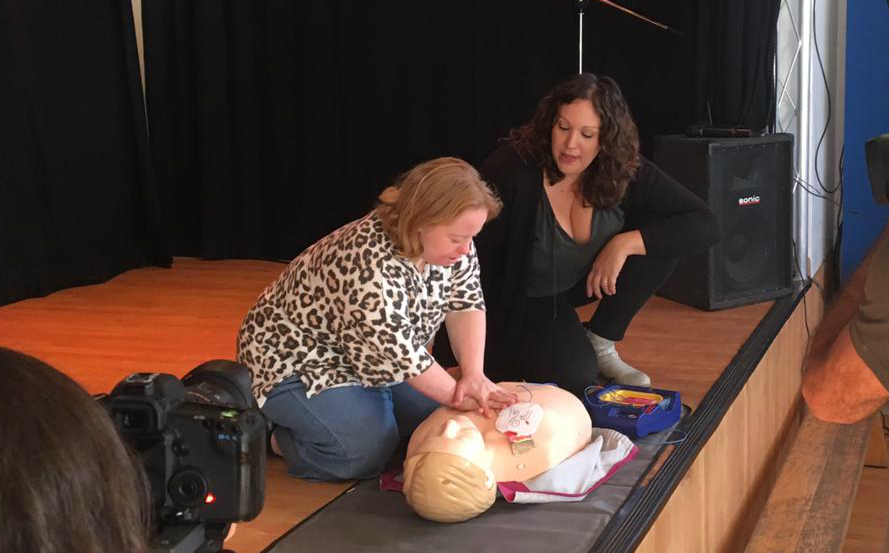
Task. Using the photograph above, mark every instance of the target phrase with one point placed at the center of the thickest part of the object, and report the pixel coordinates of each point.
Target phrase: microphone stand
(582, 5)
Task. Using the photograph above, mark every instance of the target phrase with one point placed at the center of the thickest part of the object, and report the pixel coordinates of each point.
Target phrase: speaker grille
(747, 183)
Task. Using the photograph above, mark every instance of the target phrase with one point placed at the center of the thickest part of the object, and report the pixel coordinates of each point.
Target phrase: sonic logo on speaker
(749, 200)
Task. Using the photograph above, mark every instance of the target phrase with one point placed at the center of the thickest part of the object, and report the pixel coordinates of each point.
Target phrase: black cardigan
(673, 222)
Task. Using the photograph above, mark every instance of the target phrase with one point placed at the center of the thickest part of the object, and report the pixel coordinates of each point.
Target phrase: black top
(557, 262)
(673, 222)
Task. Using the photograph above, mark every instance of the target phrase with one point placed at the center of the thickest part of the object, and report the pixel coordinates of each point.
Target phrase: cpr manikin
(455, 458)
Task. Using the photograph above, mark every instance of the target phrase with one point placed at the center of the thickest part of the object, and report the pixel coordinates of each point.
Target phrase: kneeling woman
(337, 344)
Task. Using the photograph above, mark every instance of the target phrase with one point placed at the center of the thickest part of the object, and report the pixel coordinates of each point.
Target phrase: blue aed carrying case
(633, 410)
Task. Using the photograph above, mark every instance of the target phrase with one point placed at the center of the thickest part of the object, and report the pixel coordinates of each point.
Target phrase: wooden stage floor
(171, 320)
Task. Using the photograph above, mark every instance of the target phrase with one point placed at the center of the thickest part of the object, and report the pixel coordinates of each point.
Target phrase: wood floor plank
(151, 319)
(807, 510)
(869, 523)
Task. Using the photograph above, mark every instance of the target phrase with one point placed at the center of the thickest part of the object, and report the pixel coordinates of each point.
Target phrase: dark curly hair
(604, 182)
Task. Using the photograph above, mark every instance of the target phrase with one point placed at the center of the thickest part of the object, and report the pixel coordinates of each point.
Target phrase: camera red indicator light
(210, 498)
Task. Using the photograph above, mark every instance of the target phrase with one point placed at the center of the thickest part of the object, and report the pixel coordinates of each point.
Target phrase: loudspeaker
(747, 182)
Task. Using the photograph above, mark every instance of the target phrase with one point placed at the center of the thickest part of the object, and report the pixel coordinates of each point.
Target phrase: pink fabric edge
(509, 489)
(388, 482)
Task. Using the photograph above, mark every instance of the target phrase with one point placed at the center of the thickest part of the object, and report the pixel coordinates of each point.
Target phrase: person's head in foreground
(66, 481)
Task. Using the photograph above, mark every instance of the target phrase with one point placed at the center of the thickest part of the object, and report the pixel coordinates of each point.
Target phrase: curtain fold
(78, 201)
(735, 84)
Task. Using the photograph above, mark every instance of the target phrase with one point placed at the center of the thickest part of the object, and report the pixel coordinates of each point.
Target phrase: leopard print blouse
(350, 311)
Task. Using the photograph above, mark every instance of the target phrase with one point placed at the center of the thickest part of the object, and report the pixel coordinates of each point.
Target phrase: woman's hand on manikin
(476, 392)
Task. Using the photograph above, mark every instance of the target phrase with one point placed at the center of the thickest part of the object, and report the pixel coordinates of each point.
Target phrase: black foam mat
(365, 519)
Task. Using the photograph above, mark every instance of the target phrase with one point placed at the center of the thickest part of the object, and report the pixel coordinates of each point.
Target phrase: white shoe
(612, 366)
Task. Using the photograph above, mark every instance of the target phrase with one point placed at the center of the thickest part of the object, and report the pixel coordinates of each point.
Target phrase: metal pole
(580, 43)
(804, 200)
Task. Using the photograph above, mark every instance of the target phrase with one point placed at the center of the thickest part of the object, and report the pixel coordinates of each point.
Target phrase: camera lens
(220, 382)
(188, 487)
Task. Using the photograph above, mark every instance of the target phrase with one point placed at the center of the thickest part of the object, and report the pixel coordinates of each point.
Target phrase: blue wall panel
(866, 116)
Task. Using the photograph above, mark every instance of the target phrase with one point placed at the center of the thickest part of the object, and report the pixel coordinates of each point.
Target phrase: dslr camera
(202, 442)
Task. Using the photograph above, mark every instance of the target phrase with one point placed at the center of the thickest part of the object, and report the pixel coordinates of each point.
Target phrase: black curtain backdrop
(77, 200)
(655, 67)
(736, 63)
(273, 122)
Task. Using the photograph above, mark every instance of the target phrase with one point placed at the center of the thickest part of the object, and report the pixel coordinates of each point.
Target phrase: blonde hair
(432, 193)
(447, 488)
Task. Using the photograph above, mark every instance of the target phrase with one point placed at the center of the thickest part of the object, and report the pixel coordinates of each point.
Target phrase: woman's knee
(647, 271)
(363, 454)
(360, 452)
(323, 440)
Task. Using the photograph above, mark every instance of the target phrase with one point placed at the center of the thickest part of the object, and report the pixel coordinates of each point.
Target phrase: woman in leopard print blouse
(338, 343)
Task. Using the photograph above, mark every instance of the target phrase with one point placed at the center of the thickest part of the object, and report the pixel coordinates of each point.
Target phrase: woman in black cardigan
(585, 218)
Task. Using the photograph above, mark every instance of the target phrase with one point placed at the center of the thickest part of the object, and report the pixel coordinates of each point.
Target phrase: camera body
(202, 443)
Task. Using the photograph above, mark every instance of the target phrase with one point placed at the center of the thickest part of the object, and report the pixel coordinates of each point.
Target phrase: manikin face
(575, 137)
(445, 244)
(459, 436)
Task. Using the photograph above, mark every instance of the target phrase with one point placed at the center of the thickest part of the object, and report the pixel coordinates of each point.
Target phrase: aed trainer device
(634, 411)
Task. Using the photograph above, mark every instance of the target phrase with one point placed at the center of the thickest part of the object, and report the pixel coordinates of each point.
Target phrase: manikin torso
(563, 430)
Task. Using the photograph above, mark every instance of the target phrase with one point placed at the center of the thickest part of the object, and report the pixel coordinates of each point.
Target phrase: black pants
(554, 347)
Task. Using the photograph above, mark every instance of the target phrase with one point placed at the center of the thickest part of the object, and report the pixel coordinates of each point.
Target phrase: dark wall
(274, 122)
(655, 67)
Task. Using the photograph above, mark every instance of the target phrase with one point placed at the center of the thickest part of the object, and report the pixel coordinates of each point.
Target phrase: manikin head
(447, 488)
(450, 478)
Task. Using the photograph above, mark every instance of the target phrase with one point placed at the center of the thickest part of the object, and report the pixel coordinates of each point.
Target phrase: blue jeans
(343, 433)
